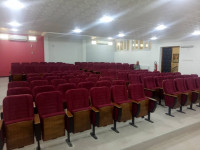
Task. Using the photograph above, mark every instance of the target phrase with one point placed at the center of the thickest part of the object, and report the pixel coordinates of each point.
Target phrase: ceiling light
(32, 38)
(154, 38)
(110, 43)
(161, 27)
(14, 4)
(196, 32)
(4, 36)
(121, 35)
(94, 42)
(13, 29)
(141, 45)
(109, 38)
(14, 24)
(147, 45)
(77, 30)
(106, 19)
(118, 44)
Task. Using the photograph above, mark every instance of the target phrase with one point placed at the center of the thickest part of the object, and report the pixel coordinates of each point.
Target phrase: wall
(99, 53)
(63, 50)
(14, 51)
(145, 57)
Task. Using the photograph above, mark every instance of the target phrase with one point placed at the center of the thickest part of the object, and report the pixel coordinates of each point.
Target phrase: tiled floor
(166, 133)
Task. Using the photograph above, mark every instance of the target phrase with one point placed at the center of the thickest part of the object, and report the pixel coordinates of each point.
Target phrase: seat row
(86, 109)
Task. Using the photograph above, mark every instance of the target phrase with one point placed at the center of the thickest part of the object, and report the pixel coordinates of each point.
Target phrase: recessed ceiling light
(94, 42)
(154, 38)
(106, 19)
(196, 32)
(110, 43)
(161, 27)
(77, 30)
(13, 29)
(32, 38)
(14, 24)
(121, 35)
(109, 38)
(4, 36)
(14, 4)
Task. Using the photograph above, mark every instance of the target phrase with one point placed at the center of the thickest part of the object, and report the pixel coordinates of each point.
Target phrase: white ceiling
(136, 18)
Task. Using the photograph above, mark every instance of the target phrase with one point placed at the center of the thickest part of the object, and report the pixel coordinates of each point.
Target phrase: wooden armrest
(152, 99)
(134, 101)
(116, 105)
(36, 119)
(1, 124)
(196, 92)
(94, 109)
(175, 96)
(150, 90)
(34, 104)
(68, 113)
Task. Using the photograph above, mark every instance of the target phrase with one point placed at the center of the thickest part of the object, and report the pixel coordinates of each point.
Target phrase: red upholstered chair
(40, 89)
(173, 98)
(187, 94)
(76, 80)
(88, 85)
(142, 105)
(92, 79)
(122, 76)
(50, 78)
(118, 82)
(78, 111)
(18, 84)
(103, 83)
(56, 82)
(197, 80)
(18, 91)
(151, 90)
(38, 83)
(192, 86)
(51, 113)
(119, 96)
(95, 75)
(29, 79)
(103, 109)
(134, 79)
(105, 79)
(18, 120)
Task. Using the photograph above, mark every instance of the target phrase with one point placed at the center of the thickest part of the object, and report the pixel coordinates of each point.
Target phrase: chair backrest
(136, 91)
(149, 82)
(88, 85)
(29, 79)
(134, 79)
(38, 83)
(190, 83)
(180, 84)
(75, 80)
(18, 91)
(40, 89)
(159, 80)
(77, 99)
(18, 84)
(122, 76)
(100, 96)
(119, 93)
(197, 82)
(105, 79)
(103, 83)
(49, 103)
(92, 79)
(56, 82)
(169, 86)
(50, 78)
(17, 107)
(65, 87)
(118, 82)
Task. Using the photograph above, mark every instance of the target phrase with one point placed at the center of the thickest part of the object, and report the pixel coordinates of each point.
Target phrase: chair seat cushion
(52, 114)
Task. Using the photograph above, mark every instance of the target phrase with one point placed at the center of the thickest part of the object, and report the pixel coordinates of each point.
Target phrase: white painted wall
(63, 50)
(99, 53)
(145, 57)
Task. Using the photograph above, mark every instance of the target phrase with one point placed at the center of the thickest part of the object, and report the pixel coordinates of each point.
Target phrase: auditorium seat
(134, 79)
(18, 91)
(103, 83)
(119, 96)
(18, 121)
(38, 83)
(94, 75)
(51, 114)
(88, 85)
(118, 82)
(76, 80)
(50, 78)
(102, 109)
(40, 89)
(18, 84)
(78, 111)
(122, 76)
(142, 105)
(173, 98)
(105, 78)
(56, 82)
(29, 79)
(92, 79)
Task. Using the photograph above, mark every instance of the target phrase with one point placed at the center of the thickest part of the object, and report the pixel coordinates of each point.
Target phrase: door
(166, 59)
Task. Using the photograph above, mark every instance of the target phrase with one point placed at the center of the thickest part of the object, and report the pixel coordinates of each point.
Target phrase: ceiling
(136, 18)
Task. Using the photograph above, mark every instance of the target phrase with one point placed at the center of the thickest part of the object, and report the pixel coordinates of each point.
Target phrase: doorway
(170, 59)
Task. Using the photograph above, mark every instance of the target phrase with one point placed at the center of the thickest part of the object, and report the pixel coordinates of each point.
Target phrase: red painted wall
(14, 51)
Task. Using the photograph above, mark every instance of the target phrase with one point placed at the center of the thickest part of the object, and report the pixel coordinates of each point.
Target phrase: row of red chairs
(107, 106)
